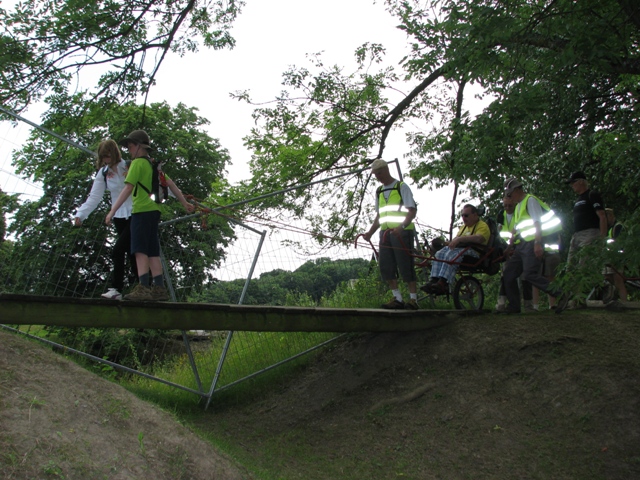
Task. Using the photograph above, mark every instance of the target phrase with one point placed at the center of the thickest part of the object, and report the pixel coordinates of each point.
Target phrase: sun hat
(510, 184)
(139, 137)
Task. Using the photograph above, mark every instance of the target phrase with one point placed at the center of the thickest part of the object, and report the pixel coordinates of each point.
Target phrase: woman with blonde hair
(112, 170)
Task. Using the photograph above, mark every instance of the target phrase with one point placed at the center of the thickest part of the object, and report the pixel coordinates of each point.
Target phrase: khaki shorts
(550, 264)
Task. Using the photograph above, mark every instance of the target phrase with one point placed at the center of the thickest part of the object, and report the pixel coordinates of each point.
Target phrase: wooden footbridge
(91, 312)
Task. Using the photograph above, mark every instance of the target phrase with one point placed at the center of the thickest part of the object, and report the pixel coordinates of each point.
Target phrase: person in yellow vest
(473, 232)
(396, 210)
(535, 222)
(506, 224)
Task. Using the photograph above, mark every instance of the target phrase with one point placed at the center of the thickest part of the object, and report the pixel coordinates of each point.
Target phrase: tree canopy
(562, 77)
(46, 45)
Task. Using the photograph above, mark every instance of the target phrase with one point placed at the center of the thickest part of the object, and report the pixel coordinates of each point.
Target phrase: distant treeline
(315, 278)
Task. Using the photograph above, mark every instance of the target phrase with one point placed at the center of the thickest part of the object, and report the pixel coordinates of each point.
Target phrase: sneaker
(500, 307)
(140, 293)
(112, 294)
(528, 306)
(393, 304)
(412, 305)
(159, 293)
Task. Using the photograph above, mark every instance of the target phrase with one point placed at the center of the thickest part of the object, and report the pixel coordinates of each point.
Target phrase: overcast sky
(272, 35)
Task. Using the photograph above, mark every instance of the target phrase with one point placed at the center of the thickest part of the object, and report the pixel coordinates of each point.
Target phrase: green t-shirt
(140, 173)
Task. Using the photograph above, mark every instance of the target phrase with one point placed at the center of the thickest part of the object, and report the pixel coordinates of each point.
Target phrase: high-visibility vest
(507, 227)
(392, 211)
(549, 223)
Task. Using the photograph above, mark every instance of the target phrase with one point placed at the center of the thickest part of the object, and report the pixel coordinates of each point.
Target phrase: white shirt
(115, 184)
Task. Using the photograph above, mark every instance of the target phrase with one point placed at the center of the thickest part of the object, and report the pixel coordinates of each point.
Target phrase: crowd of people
(529, 227)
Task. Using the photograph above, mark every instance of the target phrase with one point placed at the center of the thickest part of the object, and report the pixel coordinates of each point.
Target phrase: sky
(271, 36)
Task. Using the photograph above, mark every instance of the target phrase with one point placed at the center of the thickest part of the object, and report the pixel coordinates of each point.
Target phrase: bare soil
(490, 397)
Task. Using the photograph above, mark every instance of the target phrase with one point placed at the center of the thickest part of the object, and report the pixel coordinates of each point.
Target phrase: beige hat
(378, 164)
(510, 184)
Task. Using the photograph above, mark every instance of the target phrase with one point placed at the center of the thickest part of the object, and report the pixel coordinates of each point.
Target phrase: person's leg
(389, 269)
(140, 247)
(120, 252)
(513, 270)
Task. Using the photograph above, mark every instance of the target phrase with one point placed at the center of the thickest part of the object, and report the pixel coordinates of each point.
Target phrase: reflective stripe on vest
(507, 227)
(392, 211)
(549, 222)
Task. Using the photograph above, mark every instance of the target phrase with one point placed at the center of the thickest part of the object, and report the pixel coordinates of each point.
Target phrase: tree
(48, 248)
(563, 76)
(46, 46)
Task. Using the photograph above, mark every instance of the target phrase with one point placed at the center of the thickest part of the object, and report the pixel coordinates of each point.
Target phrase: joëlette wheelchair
(467, 291)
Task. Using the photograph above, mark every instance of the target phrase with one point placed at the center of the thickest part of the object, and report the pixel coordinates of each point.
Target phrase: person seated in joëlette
(474, 231)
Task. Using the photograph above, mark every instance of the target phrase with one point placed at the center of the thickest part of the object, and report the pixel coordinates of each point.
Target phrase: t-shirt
(140, 172)
(480, 228)
(584, 210)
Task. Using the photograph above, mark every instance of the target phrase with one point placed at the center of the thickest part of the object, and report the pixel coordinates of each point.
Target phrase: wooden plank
(91, 312)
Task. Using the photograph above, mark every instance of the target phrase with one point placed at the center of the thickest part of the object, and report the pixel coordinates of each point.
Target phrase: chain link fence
(207, 257)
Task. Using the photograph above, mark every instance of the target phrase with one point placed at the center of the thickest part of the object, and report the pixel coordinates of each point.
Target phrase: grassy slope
(536, 396)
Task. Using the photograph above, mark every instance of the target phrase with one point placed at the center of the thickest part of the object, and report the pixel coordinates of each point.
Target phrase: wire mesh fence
(207, 258)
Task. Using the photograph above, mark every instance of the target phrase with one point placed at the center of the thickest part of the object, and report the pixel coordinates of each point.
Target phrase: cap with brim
(377, 164)
(576, 176)
(139, 137)
(510, 184)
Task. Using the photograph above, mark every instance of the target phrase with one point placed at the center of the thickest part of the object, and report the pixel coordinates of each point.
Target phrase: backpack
(498, 246)
(159, 190)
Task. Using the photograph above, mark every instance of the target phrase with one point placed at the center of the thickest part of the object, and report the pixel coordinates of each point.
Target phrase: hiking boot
(159, 293)
(140, 293)
(412, 305)
(393, 304)
(112, 294)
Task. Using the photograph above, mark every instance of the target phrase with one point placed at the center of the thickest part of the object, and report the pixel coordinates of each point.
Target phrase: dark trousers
(523, 262)
(120, 252)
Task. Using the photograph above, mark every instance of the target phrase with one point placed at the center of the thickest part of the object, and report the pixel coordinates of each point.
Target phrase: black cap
(576, 176)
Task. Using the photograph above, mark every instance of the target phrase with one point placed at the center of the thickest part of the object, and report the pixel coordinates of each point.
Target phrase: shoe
(439, 288)
(500, 308)
(159, 293)
(140, 293)
(528, 306)
(506, 311)
(411, 305)
(112, 294)
(563, 302)
(393, 304)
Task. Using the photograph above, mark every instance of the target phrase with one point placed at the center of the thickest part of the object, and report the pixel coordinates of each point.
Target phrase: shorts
(144, 233)
(550, 264)
(396, 255)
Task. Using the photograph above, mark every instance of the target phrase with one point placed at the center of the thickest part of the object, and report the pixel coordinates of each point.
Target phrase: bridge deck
(91, 312)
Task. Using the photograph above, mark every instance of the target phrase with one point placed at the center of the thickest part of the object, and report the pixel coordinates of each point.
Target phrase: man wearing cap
(589, 218)
(145, 240)
(395, 211)
(535, 222)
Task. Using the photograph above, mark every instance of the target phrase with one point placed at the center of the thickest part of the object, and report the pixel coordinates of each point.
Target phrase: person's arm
(92, 201)
(124, 194)
(604, 227)
(411, 214)
(176, 191)
(374, 227)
